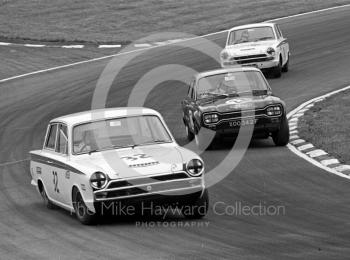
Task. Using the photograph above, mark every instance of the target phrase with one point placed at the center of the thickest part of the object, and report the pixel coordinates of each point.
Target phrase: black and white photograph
(198, 129)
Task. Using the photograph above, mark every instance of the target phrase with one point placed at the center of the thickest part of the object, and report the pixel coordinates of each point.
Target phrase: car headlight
(271, 51)
(274, 111)
(224, 55)
(98, 180)
(195, 167)
(211, 118)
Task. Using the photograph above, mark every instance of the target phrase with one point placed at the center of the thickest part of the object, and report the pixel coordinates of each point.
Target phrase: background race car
(225, 100)
(259, 45)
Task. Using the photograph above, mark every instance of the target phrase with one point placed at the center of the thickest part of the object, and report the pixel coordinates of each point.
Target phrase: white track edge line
(294, 111)
(316, 163)
(123, 53)
(294, 149)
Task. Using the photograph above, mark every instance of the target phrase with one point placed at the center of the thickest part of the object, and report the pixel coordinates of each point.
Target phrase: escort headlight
(195, 167)
(98, 180)
(271, 51)
(211, 118)
(224, 55)
(274, 111)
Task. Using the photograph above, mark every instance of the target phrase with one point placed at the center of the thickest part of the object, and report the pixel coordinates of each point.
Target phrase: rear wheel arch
(43, 193)
(40, 185)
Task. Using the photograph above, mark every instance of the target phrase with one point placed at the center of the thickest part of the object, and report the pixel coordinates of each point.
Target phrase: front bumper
(260, 65)
(147, 205)
(166, 187)
(261, 125)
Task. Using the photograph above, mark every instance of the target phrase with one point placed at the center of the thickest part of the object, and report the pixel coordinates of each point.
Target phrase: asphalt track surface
(316, 221)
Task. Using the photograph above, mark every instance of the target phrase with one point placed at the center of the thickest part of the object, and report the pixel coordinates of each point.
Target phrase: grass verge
(327, 126)
(123, 21)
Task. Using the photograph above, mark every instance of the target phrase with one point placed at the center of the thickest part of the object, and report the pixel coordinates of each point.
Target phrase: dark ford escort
(225, 100)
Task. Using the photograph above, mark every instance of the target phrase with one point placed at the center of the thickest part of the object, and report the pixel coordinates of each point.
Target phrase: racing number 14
(55, 182)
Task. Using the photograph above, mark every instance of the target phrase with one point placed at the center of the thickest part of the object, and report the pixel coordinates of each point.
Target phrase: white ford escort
(260, 45)
(93, 159)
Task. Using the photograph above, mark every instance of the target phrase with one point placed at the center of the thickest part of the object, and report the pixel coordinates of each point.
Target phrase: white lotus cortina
(95, 159)
(260, 45)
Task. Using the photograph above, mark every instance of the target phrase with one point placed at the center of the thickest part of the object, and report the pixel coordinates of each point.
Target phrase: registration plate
(242, 122)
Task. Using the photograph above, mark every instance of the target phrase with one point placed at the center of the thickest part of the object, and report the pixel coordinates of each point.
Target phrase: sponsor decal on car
(139, 160)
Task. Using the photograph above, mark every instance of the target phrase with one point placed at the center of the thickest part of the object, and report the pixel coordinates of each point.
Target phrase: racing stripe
(53, 162)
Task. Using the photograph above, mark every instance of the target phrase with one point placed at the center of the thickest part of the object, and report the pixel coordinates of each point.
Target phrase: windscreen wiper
(158, 141)
(263, 39)
(254, 92)
(218, 95)
(112, 147)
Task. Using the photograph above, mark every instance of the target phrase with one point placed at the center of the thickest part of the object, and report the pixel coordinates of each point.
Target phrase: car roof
(246, 26)
(224, 70)
(100, 114)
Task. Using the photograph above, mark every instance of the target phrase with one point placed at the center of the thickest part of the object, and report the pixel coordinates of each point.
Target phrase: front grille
(244, 113)
(136, 187)
(151, 188)
(251, 58)
(140, 181)
(238, 114)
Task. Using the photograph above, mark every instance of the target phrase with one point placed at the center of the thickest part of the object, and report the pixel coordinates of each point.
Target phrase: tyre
(84, 215)
(198, 208)
(45, 198)
(277, 71)
(189, 134)
(285, 68)
(281, 137)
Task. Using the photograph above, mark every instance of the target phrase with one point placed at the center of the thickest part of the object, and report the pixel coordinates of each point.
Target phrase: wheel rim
(80, 205)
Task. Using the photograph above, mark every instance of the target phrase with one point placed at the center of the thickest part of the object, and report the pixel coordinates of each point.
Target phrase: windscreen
(251, 35)
(119, 133)
(232, 83)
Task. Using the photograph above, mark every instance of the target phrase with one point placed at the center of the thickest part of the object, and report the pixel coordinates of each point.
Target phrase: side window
(51, 137)
(190, 90)
(279, 31)
(62, 141)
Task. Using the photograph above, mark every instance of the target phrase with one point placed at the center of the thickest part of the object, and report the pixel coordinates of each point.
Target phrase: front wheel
(204, 139)
(277, 71)
(84, 215)
(198, 208)
(285, 68)
(281, 137)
